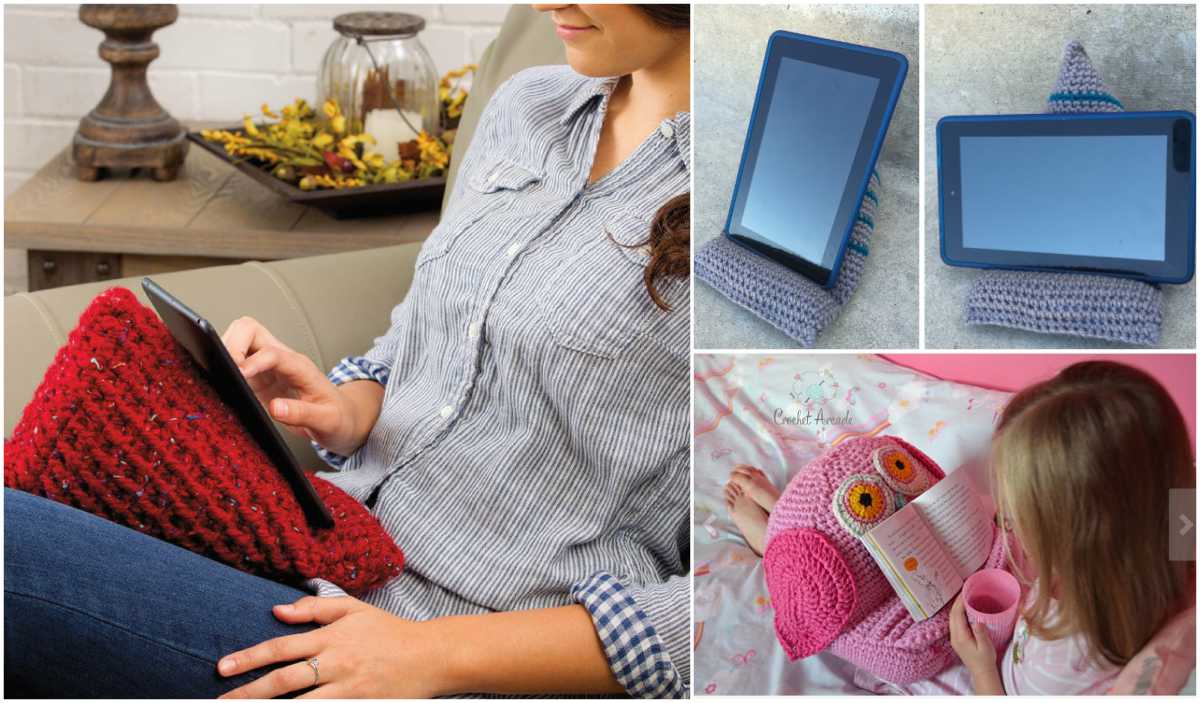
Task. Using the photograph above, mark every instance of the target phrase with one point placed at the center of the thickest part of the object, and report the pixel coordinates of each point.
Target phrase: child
(1083, 464)
(1082, 467)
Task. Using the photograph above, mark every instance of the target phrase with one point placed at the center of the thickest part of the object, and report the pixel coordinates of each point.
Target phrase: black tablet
(203, 343)
(820, 115)
(1111, 193)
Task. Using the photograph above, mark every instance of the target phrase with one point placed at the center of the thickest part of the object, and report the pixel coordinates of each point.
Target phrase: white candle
(390, 130)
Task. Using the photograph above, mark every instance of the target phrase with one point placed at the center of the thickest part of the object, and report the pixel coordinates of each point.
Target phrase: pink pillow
(827, 590)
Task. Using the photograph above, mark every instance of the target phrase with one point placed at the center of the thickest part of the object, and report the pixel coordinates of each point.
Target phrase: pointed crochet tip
(1079, 87)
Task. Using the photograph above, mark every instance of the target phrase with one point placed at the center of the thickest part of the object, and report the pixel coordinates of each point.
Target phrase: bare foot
(750, 519)
(755, 484)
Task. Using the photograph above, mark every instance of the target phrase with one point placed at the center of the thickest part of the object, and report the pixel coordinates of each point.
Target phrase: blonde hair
(1083, 463)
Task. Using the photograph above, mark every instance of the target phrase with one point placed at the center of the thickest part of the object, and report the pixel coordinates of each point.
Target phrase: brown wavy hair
(670, 237)
(1083, 464)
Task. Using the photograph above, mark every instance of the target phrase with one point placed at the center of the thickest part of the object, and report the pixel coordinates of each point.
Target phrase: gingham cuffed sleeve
(644, 630)
(352, 368)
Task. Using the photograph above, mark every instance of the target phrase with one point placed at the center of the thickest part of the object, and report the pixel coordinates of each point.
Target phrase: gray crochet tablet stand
(1084, 305)
(792, 303)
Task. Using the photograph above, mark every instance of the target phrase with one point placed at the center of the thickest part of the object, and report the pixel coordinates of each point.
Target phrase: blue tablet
(1110, 193)
(819, 119)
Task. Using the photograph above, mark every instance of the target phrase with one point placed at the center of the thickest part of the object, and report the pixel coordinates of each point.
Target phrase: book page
(959, 520)
(922, 572)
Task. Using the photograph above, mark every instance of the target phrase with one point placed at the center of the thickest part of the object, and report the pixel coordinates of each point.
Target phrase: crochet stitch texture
(827, 590)
(1083, 305)
(789, 301)
(124, 426)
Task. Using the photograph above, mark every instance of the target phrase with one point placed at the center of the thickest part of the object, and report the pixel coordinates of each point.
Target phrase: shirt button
(513, 249)
(473, 330)
(447, 411)
(666, 130)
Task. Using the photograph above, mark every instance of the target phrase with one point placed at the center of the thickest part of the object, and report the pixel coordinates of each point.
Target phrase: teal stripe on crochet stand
(872, 197)
(865, 220)
(860, 248)
(1086, 95)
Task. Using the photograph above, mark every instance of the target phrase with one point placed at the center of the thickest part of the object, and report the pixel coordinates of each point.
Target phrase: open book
(931, 545)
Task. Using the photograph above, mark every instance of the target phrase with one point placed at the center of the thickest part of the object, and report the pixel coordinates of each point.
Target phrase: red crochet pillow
(124, 426)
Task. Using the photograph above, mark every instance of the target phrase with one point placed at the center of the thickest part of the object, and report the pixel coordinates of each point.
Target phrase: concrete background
(1004, 59)
(729, 46)
(218, 62)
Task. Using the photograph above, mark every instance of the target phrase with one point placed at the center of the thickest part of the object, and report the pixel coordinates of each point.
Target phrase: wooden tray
(364, 201)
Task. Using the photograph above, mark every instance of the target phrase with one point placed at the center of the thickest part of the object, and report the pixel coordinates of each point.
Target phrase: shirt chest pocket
(597, 302)
(486, 207)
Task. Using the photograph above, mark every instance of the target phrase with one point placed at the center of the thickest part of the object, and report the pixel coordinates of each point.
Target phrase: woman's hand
(361, 652)
(974, 647)
(295, 392)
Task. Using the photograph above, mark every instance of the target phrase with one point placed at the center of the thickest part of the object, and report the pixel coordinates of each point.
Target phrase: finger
(236, 338)
(265, 359)
(301, 414)
(261, 383)
(289, 365)
(285, 679)
(959, 631)
(316, 609)
(273, 651)
(982, 639)
(245, 335)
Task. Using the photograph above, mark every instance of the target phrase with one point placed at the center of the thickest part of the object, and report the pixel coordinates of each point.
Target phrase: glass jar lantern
(382, 78)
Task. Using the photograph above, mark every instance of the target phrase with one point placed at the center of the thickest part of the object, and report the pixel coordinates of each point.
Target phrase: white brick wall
(217, 63)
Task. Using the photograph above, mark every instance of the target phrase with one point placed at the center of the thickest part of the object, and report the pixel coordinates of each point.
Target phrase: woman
(521, 431)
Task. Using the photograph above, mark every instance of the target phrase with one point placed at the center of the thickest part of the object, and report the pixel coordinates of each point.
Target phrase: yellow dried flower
(432, 150)
(293, 143)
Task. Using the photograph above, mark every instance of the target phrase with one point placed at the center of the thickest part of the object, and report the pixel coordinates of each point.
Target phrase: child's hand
(974, 647)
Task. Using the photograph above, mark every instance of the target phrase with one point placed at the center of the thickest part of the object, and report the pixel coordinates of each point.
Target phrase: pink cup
(992, 597)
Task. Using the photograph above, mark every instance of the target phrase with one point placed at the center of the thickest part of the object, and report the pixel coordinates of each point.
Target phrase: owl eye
(900, 470)
(861, 502)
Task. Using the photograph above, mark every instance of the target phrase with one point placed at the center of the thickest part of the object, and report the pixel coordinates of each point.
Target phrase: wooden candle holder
(129, 129)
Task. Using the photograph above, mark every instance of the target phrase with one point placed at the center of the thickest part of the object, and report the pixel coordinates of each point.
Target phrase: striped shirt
(532, 449)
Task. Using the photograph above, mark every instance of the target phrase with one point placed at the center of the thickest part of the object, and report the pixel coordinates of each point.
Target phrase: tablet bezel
(890, 68)
(1180, 236)
(200, 339)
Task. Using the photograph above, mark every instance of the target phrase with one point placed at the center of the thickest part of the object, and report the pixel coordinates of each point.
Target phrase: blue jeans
(94, 609)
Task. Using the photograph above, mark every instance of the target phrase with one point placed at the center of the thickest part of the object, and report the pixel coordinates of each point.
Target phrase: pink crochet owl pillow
(827, 591)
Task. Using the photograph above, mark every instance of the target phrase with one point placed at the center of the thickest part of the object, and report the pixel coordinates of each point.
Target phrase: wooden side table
(79, 232)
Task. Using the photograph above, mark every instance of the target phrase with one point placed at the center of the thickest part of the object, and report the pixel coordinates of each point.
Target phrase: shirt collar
(588, 90)
(592, 88)
(682, 124)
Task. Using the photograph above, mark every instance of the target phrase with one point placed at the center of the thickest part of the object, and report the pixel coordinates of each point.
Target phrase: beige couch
(325, 306)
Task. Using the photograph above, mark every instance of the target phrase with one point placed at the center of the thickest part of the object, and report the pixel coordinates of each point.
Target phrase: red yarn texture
(125, 427)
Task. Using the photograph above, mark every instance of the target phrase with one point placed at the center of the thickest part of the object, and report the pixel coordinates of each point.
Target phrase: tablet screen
(1111, 193)
(814, 123)
(819, 119)
(1079, 195)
